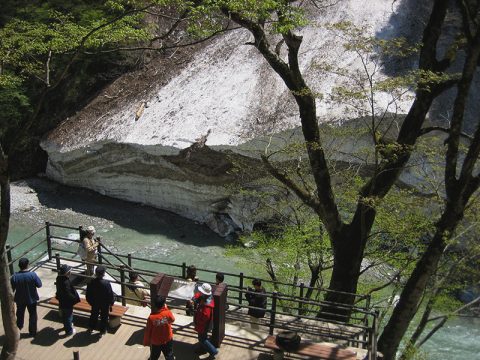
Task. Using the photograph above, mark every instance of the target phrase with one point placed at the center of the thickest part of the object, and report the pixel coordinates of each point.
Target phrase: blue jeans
(206, 344)
(32, 320)
(67, 318)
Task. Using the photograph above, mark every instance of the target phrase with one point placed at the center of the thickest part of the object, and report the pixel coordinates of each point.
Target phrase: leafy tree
(349, 236)
(274, 22)
(40, 43)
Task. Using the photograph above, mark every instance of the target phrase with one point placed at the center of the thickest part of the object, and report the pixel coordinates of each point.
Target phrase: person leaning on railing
(257, 301)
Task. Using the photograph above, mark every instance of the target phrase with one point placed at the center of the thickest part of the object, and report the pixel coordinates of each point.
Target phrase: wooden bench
(115, 314)
(324, 351)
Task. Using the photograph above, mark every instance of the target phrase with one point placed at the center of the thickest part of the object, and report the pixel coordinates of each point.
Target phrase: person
(158, 332)
(191, 276)
(90, 245)
(136, 295)
(24, 284)
(257, 299)
(100, 297)
(219, 277)
(67, 297)
(204, 305)
(191, 273)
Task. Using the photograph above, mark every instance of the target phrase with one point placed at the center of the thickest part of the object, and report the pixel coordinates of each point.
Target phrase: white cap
(91, 229)
(205, 289)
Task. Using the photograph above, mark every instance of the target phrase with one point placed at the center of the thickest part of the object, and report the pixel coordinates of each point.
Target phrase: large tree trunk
(412, 292)
(12, 335)
(348, 249)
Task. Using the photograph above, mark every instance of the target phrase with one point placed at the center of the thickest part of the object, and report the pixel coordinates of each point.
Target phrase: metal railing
(285, 310)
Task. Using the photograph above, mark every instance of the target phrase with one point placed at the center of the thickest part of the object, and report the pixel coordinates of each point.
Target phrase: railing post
(374, 335)
(57, 261)
(49, 240)
(240, 285)
(273, 312)
(99, 252)
(129, 260)
(300, 303)
(122, 286)
(80, 240)
(9, 259)
(184, 271)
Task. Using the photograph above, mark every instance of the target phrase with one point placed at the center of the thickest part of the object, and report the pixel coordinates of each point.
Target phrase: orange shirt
(159, 328)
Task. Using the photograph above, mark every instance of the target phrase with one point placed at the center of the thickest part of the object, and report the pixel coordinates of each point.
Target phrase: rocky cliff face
(171, 141)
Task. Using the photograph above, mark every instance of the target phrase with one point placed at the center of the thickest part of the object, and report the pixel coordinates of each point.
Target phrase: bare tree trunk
(408, 304)
(12, 334)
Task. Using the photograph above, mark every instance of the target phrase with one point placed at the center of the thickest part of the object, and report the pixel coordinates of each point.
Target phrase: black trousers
(32, 319)
(103, 312)
(166, 349)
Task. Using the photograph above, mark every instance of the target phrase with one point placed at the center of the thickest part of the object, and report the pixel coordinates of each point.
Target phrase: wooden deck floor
(125, 343)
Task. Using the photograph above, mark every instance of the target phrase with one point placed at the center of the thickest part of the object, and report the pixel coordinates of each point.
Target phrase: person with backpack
(158, 332)
(100, 297)
(204, 305)
(67, 297)
(257, 300)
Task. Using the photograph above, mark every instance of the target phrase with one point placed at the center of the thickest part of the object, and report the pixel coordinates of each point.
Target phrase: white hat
(91, 229)
(205, 289)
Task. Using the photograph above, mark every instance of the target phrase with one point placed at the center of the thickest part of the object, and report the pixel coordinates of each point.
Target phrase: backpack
(81, 251)
(288, 340)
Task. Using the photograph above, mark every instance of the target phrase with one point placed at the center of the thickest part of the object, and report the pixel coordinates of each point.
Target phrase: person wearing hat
(24, 284)
(90, 246)
(204, 305)
(100, 297)
(67, 297)
(158, 333)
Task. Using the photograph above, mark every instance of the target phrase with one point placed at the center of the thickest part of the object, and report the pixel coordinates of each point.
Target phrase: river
(163, 236)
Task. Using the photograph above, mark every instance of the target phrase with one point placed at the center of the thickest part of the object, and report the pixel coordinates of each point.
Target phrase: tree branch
(429, 129)
(305, 197)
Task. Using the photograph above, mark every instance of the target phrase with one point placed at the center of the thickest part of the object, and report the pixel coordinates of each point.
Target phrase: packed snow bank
(226, 96)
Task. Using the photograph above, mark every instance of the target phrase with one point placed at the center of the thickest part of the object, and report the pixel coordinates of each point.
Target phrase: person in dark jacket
(256, 298)
(100, 297)
(67, 297)
(24, 284)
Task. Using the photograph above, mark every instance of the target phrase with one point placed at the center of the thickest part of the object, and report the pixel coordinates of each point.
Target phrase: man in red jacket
(158, 333)
(203, 317)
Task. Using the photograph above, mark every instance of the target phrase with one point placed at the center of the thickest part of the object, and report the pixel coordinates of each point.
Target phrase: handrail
(304, 307)
(27, 238)
(276, 323)
(26, 251)
(62, 226)
(114, 255)
(358, 297)
(118, 256)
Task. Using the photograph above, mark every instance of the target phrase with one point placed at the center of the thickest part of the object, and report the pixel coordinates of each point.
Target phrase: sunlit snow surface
(230, 90)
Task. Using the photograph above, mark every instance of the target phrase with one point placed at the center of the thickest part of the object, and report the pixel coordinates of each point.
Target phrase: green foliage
(206, 18)
(27, 44)
(14, 103)
(290, 248)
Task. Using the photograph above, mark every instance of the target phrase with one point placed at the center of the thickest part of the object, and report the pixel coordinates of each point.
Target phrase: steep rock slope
(171, 142)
